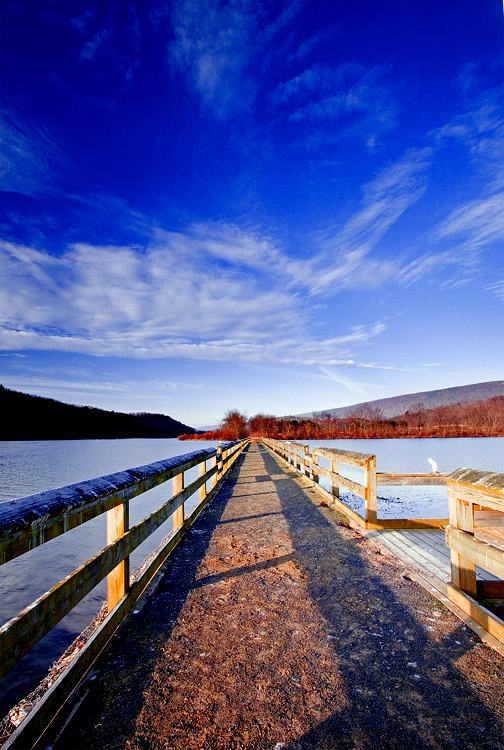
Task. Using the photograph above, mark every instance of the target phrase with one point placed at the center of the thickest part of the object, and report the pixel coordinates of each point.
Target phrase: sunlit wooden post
(370, 500)
(315, 463)
(118, 579)
(178, 514)
(219, 462)
(461, 514)
(202, 489)
(213, 464)
(334, 482)
(305, 462)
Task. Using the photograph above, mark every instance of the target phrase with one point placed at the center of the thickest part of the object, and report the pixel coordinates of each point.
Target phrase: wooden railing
(307, 464)
(475, 537)
(29, 522)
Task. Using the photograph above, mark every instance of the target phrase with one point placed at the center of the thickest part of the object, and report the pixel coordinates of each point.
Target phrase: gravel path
(276, 625)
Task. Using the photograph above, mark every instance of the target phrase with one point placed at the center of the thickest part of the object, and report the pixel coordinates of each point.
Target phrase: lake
(32, 466)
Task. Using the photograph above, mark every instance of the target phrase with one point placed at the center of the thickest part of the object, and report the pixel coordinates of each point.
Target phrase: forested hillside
(26, 417)
(397, 405)
(478, 419)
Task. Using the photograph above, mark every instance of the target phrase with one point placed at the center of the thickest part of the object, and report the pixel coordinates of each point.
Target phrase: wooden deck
(427, 560)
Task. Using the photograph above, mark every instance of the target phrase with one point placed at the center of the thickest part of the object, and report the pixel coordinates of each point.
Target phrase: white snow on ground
(404, 502)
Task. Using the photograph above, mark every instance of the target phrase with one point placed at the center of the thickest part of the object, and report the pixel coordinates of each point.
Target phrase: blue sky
(271, 206)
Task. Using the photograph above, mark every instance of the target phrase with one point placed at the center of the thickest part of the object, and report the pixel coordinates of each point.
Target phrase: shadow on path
(296, 634)
(402, 688)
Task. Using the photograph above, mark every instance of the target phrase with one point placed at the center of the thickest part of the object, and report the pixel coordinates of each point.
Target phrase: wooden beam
(486, 555)
(178, 515)
(492, 518)
(347, 457)
(357, 489)
(118, 579)
(28, 522)
(410, 479)
(409, 523)
(335, 474)
(493, 624)
(371, 499)
(461, 515)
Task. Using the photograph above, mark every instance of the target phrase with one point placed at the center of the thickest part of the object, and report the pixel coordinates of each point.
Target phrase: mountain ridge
(393, 406)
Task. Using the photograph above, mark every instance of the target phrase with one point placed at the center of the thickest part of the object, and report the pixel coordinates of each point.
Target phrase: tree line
(471, 419)
(26, 417)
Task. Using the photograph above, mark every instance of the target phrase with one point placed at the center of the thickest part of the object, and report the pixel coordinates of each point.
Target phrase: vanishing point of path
(276, 625)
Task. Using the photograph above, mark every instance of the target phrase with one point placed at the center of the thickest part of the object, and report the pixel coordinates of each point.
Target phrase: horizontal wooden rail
(28, 522)
(307, 464)
(470, 494)
(404, 480)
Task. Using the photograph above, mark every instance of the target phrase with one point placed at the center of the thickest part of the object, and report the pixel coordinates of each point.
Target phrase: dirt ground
(277, 626)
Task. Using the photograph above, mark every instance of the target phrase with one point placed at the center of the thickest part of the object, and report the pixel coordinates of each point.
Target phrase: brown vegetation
(477, 419)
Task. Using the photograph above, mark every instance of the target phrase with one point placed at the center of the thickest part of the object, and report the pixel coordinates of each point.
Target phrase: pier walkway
(276, 625)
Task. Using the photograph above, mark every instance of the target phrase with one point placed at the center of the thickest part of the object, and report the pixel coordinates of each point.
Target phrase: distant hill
(26, 417)
(396, 405)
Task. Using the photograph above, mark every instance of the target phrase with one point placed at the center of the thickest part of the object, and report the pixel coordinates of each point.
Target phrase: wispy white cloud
(305, 48)
(344, 259)
(211, 46)
(358, 387)
(476, 223)
(175, 298)
(30, 159)
(497, 289)
(43, 385)
(218, 45)
(91, 47)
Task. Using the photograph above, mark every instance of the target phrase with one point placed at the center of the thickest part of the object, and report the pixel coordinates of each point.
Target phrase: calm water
(29, 467)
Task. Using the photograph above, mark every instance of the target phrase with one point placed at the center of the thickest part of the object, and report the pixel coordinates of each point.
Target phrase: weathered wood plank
(490, 481)
(410, 479)
(481, 553)
(178, 514)
(334, 474)
(487, 619)
(357, 489)
(409, 523)
(461, 515)
(370, 496)
(416, 555)
(118, 579)
(30, 521)
(493, 518)
(353, 458)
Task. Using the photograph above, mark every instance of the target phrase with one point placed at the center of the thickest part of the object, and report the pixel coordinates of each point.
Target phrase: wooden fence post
(178, 514)
(463, 570)
(315, 463)
(213, 480)
(371, 501)
(304, 462)
(202, 489)
(118, 579)
(334, 482)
